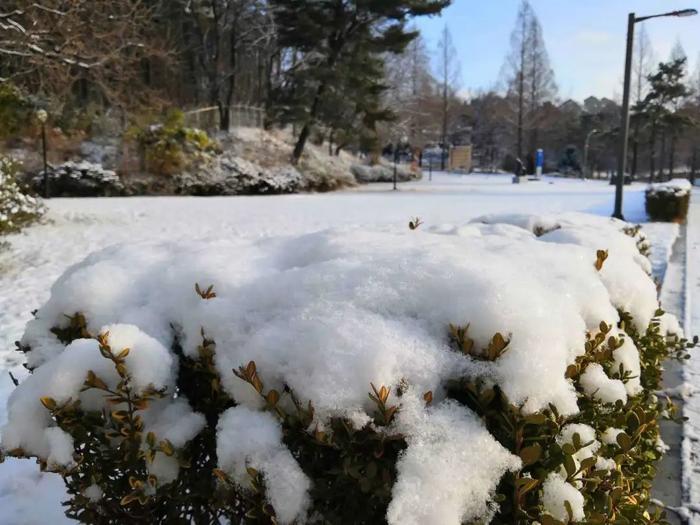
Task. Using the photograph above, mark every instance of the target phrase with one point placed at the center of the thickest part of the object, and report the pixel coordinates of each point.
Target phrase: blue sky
(585, 39)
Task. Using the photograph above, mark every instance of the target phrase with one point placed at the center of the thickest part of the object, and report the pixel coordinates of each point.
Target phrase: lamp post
(42, 116)
(625, 117)
(586, 146)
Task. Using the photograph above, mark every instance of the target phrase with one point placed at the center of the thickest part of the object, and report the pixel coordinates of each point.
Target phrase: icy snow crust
(331, 312)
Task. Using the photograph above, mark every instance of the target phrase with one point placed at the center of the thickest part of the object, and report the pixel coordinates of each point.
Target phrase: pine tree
(353, 106)
(660, 105)
(331, 33)
(676, 120)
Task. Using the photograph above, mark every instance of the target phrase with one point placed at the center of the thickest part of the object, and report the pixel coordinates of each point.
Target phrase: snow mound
(328, 314)
(251, 439)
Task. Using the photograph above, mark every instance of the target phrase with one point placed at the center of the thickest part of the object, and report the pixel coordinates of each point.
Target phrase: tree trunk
(635, 149)
(224, 116)
(652, 154)
(444, 123)
(672, 156)
(662, 157)
(306, 129)
(225, 120)
(521, 108)
(521, 90)
(301, 143)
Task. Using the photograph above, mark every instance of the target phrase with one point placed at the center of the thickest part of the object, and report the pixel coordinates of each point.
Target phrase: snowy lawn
(35, 259)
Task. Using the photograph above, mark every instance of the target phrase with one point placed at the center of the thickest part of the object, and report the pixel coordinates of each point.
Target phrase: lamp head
(686, 12)
(42, 116)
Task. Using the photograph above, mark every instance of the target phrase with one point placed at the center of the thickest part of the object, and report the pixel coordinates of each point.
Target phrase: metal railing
(209, 118)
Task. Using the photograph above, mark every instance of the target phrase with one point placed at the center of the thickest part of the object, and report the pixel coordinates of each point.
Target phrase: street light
(42, 116)
(625, 117)
(586, 145)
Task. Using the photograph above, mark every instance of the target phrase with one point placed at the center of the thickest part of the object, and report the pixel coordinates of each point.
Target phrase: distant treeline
(356, 75)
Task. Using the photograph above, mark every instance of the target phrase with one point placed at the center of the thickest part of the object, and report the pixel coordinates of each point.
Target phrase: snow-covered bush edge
(195, 438)
(668, 201)
(17, 208)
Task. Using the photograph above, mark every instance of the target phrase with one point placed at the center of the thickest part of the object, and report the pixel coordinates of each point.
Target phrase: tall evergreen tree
(659, 107)
(330, 33)
(676, 120)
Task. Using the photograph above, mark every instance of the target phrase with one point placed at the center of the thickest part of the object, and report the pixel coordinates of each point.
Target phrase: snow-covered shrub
(228, 174)
(171, 147)
(17, 208)
(441, 375)
(384, 173)
(668, 201)
(79, 179)
(324, 173)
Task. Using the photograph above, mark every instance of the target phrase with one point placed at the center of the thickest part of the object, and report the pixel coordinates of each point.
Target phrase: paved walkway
(691, 431)
(668, 485)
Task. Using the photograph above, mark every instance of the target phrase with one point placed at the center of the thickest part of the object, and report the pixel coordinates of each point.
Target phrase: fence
(209, 118)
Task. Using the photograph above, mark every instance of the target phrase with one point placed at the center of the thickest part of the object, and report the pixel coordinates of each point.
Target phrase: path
(691, 443)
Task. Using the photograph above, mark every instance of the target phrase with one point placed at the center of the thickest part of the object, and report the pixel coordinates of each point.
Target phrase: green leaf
(570, 465)
(624, 441)
(531, 454)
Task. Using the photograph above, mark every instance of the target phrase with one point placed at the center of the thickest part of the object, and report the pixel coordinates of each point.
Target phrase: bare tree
(540, 78)
(232, 43)
(410, 89)
(448, 74)
(528, 77)
(643, 62)
(83, 47)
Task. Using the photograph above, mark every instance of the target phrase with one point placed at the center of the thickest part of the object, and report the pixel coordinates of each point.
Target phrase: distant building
(571, 106)
(461, 158)
(460, 154)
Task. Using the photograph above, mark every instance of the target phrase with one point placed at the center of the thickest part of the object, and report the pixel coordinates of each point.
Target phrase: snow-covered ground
(37, 257)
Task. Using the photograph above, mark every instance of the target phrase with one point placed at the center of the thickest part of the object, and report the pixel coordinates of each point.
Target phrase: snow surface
(678, 187)
(392, 306)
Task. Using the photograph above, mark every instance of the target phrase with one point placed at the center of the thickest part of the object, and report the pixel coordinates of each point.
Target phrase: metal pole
(624, 120)
(586, 146)
(46, 166)
(396, 154)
